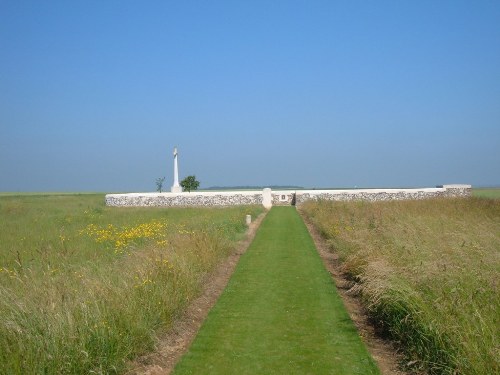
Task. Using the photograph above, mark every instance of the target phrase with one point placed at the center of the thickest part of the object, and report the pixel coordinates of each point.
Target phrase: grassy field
(280, 313)
(428, 274)
(486, 192)
(84, 287)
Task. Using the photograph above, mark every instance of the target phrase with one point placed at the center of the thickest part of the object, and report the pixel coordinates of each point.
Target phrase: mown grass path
(280, 313)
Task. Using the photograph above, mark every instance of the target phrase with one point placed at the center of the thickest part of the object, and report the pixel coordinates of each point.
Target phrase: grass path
(280, 313)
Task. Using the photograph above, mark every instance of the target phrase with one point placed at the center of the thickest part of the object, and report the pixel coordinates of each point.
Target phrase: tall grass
(85, 287)
(428, 274)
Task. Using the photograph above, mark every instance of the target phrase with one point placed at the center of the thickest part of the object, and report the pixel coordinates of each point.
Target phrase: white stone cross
(176, 188)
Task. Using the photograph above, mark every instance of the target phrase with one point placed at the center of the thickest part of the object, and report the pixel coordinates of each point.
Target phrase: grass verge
(84, 287)
(427, 272)
(280, 313)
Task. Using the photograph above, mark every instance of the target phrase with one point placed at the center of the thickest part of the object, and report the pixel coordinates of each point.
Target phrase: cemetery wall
(374, 195)
(285, 197)
(233, 198)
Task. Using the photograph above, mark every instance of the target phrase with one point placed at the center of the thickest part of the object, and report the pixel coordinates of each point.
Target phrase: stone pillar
(176, 188)
(267, 198)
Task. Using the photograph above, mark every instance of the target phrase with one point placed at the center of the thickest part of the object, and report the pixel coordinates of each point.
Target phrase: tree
(159, 183)
(190, 183)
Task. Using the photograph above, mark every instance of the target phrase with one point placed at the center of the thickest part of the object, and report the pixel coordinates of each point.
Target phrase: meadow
(84, 287)
(486, 192)
(427, 272)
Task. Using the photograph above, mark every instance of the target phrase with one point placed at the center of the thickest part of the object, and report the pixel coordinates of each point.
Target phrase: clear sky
(94, 95)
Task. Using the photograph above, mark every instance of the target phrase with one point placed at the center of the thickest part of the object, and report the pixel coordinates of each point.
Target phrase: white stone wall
(374, 195)
(185, 199)
(285, 197)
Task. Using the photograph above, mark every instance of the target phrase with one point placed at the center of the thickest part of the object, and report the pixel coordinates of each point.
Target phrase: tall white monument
(176, 188)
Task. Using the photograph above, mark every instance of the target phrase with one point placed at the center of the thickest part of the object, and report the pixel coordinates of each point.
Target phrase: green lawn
(280, 313)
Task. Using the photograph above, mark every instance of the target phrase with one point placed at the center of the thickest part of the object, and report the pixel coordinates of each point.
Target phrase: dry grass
(428, 273)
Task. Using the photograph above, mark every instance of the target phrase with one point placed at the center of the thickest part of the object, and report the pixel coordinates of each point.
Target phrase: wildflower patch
(122, 238)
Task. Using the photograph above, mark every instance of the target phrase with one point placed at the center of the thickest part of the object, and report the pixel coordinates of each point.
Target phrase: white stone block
(267, 198)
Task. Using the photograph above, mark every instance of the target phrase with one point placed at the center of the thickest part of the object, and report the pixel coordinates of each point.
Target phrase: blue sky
(94, 95)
